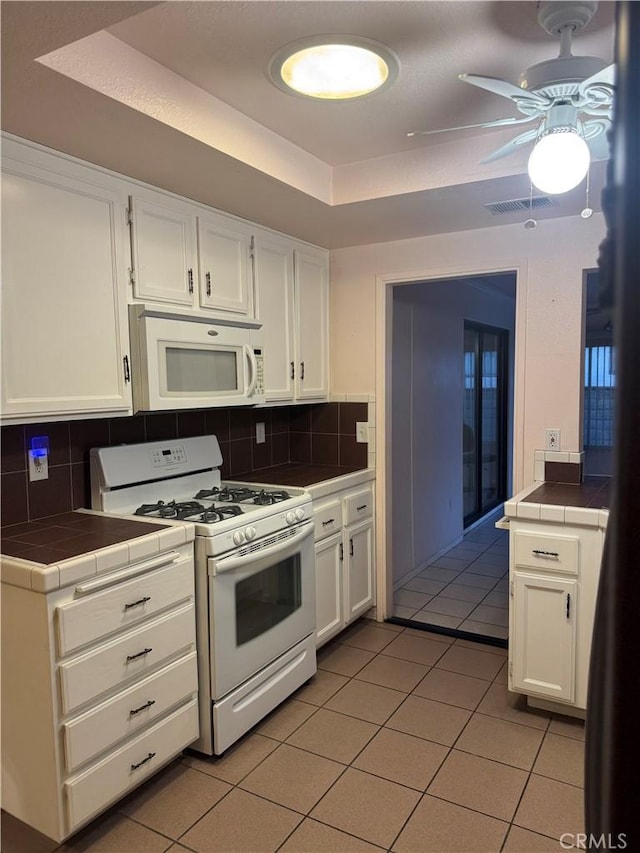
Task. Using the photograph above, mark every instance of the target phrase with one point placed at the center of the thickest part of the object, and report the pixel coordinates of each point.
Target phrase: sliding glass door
(484, 437)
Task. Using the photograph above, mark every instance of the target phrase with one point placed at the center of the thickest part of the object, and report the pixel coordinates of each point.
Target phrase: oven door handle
(227, 564)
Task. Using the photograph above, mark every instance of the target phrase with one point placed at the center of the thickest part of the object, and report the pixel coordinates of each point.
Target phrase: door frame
(384, 285)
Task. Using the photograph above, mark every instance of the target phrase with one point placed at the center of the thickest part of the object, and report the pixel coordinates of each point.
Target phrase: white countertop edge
(515, 507)
(344, 481)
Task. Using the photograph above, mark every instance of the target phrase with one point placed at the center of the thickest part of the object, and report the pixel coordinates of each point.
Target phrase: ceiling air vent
(519, 204)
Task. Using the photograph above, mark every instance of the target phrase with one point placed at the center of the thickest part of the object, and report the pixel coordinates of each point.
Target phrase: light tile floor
(404, 741)
(466, 589)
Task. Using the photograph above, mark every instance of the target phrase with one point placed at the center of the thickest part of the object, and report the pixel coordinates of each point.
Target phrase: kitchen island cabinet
(65, 343)
(554, 566)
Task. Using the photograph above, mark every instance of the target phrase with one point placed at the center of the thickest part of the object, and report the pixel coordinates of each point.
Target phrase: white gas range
(255, 573)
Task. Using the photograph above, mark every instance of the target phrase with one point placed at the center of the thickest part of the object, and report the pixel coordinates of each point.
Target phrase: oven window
(267, 598)
(201, 371)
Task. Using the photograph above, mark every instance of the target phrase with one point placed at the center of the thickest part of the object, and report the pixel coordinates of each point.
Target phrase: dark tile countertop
(70, 534)
(297, 474)
(592, 493)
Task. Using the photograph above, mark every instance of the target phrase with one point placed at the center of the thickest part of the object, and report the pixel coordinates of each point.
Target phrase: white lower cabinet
(99, 689)
(544, 619)
(554, 571)
(345, 566)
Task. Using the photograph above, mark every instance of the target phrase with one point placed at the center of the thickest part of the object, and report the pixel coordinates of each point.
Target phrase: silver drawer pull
(144, 761)
(138, 655)
(138, 602)
(364, 506)
(328, 521)
(146, 705)
(539, 553)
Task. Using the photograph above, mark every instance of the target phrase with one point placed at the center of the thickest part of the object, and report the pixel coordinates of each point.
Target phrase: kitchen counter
(62, 549)
(309, 476)
(585, 503)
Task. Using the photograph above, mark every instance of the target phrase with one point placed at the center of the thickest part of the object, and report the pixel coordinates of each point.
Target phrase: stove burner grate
(267, 498)
(213, 514)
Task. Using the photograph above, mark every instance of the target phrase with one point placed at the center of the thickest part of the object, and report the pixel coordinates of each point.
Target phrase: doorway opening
(452, 344)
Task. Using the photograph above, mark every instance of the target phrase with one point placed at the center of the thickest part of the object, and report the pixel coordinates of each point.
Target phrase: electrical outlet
(553, 439)
(38, 465)
(260, 433)
(362, 432)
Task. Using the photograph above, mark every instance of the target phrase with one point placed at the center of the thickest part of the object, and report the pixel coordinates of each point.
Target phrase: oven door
(261, 603)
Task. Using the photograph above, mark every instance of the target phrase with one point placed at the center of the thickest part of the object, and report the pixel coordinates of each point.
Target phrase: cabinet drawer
(358, 506)
(549, 553)
(327, 518)
(105, 782)
(124, 604)
(130, 711)
(133, 655)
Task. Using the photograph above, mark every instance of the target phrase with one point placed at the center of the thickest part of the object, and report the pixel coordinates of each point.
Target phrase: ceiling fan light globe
(559, 162)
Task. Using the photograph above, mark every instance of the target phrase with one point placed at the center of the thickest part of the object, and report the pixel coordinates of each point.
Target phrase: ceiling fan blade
(498, 122)
(506, 89)
(595, 134)
(513, 145)
(606, 78)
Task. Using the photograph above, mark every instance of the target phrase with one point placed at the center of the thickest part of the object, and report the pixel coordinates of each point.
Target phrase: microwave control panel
(259, 390)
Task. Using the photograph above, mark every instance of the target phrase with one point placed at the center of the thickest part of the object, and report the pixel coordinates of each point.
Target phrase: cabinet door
(359, 565)
(312, 324)
(64, 324)
(274, 289)
(164, 249)
(329, 588)
(542, 650)
(225, 270)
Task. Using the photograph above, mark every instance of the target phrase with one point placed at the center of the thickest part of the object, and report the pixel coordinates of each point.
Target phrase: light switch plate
(260, 433)
(362, 432)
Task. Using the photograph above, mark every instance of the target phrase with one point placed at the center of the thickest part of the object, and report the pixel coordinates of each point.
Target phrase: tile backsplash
(322, 434)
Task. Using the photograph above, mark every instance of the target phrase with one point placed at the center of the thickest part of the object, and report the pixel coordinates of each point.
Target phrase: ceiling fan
(569, 96)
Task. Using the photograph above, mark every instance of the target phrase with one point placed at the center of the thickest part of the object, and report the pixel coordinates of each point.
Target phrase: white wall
(427, 403)
(549, 261)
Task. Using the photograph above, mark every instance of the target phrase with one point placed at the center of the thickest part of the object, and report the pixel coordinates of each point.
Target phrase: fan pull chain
(587, 213)
(530, 223)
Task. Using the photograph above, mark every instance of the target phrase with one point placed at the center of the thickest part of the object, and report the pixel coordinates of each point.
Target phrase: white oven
(186, 362)
(261, 603)
(254, 574)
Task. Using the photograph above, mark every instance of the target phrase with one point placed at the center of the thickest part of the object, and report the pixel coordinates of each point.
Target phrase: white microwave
(191, 361)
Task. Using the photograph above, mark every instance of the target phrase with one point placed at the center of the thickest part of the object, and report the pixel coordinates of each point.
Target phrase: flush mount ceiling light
(560, 158)
(333, 67)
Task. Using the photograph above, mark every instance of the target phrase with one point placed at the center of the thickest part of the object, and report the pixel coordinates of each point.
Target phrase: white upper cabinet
(163, 242)
(293, 307)
(226, 264)
(65, 349)
(312, 314)
(274, 286)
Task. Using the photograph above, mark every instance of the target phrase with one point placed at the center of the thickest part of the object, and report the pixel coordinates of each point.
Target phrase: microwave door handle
(227, 564)
(253, 370)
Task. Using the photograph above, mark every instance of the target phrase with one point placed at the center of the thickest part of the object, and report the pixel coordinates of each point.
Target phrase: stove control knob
(250, 533)
(299, 513)
(290, 517)
(238, 537)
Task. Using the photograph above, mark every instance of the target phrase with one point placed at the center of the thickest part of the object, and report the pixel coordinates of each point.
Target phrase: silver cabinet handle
(190, 279)
(539, 553)
(568, 606)
(302, 370)
(208, 278)
(293, 370)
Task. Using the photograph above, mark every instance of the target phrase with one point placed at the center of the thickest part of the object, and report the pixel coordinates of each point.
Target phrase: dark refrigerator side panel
(612, 786)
